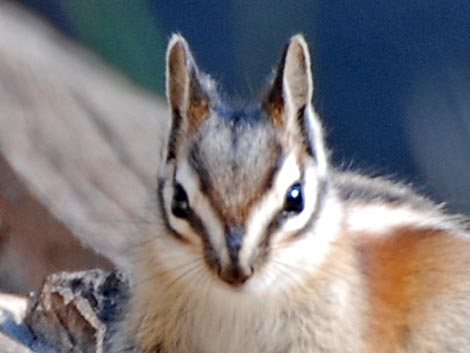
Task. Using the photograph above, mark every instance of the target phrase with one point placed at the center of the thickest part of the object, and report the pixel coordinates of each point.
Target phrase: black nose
(235, 276)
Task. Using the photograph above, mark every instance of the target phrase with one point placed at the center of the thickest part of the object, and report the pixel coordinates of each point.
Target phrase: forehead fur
(235, 154)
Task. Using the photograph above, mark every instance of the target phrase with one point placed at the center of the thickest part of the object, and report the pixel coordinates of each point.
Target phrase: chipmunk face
(243, 188)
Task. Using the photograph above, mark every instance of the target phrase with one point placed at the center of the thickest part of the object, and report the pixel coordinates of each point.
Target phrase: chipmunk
(263, 247)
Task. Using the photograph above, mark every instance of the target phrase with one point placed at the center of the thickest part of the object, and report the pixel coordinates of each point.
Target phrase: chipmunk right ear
(289, 100)
(292, 87)
(187, 93)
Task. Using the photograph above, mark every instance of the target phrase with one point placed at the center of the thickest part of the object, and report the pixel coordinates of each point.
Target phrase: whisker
(288, 274)
(299, 269)
(183, 275)
(184, 266)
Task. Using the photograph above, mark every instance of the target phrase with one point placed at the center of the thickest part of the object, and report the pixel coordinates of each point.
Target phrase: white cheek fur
(299, 258)
(269, 205)
(381, 219)
(201, 206)
(309, 191)
(179, 225)
(273, 202)
(306, 252)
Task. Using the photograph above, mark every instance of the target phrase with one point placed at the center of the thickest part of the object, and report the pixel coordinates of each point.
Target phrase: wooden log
(15, 336)
(72, 312)
(9, 345)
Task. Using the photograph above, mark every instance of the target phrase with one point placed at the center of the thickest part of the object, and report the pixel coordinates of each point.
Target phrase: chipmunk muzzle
(234, 273)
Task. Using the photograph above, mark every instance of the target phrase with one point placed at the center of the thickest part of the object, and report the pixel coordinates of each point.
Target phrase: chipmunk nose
(235, 275)
(234, 239)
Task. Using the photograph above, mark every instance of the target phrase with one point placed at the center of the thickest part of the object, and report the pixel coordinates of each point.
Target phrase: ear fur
(289, 100)
(188, 94)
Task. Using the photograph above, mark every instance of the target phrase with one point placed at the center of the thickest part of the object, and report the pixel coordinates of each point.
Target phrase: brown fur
(412, 275)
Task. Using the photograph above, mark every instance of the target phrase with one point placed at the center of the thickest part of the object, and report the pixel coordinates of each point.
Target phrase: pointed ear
(292, 88)
(187, 92)
(289, 100)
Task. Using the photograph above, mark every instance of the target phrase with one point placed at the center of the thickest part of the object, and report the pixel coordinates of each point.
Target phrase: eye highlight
(294, 202)
(180, 203)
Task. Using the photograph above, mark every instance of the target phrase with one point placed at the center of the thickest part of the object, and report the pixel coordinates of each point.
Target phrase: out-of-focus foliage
(123, 32)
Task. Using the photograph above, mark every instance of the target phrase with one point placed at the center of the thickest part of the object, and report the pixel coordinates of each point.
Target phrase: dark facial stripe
(323, 188)
(199, 168)
(193, 219)
(233, 244)
(234, 226)
(195, 223)
(209, 253)
(229, 217)
(277, 221)
(269, 179)
(164, 214)
(281, 217)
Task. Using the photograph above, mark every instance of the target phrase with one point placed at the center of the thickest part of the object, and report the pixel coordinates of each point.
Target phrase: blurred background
(392, 78)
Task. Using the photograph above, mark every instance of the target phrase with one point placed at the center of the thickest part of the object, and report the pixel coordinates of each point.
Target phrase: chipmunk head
(243, 187)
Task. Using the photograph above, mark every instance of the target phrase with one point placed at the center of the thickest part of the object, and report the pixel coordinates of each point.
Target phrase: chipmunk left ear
(289, 100)
(188, 91)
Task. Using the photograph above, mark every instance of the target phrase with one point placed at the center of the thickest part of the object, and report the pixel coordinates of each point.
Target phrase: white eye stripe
(200, 206)
(309, 190)
(179, 226)
(263, 214)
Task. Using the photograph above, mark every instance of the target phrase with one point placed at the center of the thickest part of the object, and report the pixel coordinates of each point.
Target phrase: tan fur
(419, 286)
(365, 266)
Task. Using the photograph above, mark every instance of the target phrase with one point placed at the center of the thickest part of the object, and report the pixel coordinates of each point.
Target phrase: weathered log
(9, 345)
(71, 313)
(15, 335)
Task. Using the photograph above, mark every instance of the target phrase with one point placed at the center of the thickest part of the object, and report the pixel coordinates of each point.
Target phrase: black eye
(294, 199)
(180, 202)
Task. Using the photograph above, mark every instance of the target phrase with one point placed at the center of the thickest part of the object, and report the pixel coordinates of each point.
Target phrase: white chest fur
(221, 320)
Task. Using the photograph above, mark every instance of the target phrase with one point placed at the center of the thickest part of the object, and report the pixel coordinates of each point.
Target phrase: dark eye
(180, 202)
(294, 199)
